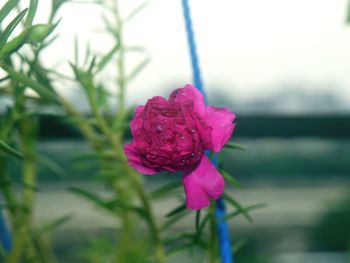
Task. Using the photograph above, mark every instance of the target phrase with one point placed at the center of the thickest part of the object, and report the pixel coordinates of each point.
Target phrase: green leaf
(246, 209)
(33, 35)
(87, 54)
(13, 45)
(48, 43)
(115, 203)
(172, 220)
(109, 205)
(6, 9)
(9, 29)
(44, 92)
(238, 245)
(31, 13)
(230, 179)
(164, 190)
(41, 75)
(51, 165)
(110, 28)
(105, 59)
(92, 63)
(97, 200)
(4, 79)
(200, 229)
(234, 146)
(183, 241)
(198, 219)
(85, 78)
(102, 97)
(238, 206)
(138, 68)
(38, 33)
(8, 150)
(136, 11)
(170, 240)
(49, 227)
(176, 210)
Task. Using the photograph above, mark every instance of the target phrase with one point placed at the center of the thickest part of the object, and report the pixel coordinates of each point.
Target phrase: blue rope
(222, 227)
(192, 45)
(5, 236)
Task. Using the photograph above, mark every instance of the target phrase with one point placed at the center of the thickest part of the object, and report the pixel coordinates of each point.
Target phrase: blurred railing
(256, 126)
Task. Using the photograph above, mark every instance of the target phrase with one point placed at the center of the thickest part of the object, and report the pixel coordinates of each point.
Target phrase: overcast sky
(249, 48)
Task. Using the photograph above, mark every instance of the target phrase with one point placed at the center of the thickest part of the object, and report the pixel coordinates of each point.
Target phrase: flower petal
(136, 122)
(202, 183)
(134, 160)
(189, 93)
(220, 119)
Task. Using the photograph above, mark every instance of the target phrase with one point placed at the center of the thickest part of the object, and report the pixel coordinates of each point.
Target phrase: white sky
(248, 47)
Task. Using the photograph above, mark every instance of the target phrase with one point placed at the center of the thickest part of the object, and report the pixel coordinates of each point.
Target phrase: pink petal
(220, 119)
(134, 160)
(201, 184)
(189, 93)
(136, 122)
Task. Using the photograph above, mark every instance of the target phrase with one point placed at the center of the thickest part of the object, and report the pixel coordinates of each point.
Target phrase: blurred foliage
(301, 158)
(250, 253)
(348, 14)
(19, 130)
(30, 86)
(333, 230)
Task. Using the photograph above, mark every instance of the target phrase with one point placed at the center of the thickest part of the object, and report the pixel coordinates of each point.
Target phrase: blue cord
(222, 227)
(5, 236)
(223, 232)
(192, 45)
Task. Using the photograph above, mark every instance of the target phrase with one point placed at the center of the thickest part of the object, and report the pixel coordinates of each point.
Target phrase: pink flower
(172, 135)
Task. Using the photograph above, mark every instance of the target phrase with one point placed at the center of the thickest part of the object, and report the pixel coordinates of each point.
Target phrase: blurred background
(282, 67)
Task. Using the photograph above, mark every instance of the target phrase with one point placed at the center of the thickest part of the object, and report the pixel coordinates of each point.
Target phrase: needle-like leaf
(40, 89)
(6, 9)
(9, 29)
(234, 146)
(31, 13)
(8, 150)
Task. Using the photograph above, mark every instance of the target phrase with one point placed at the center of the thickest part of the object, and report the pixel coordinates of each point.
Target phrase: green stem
(29, 179)
(155, 232)
(85, 128)
(8, 193)
(90, 135)
(213, 238)
(115, 141)
(45, 252)
(16, 252)
(121, 66)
